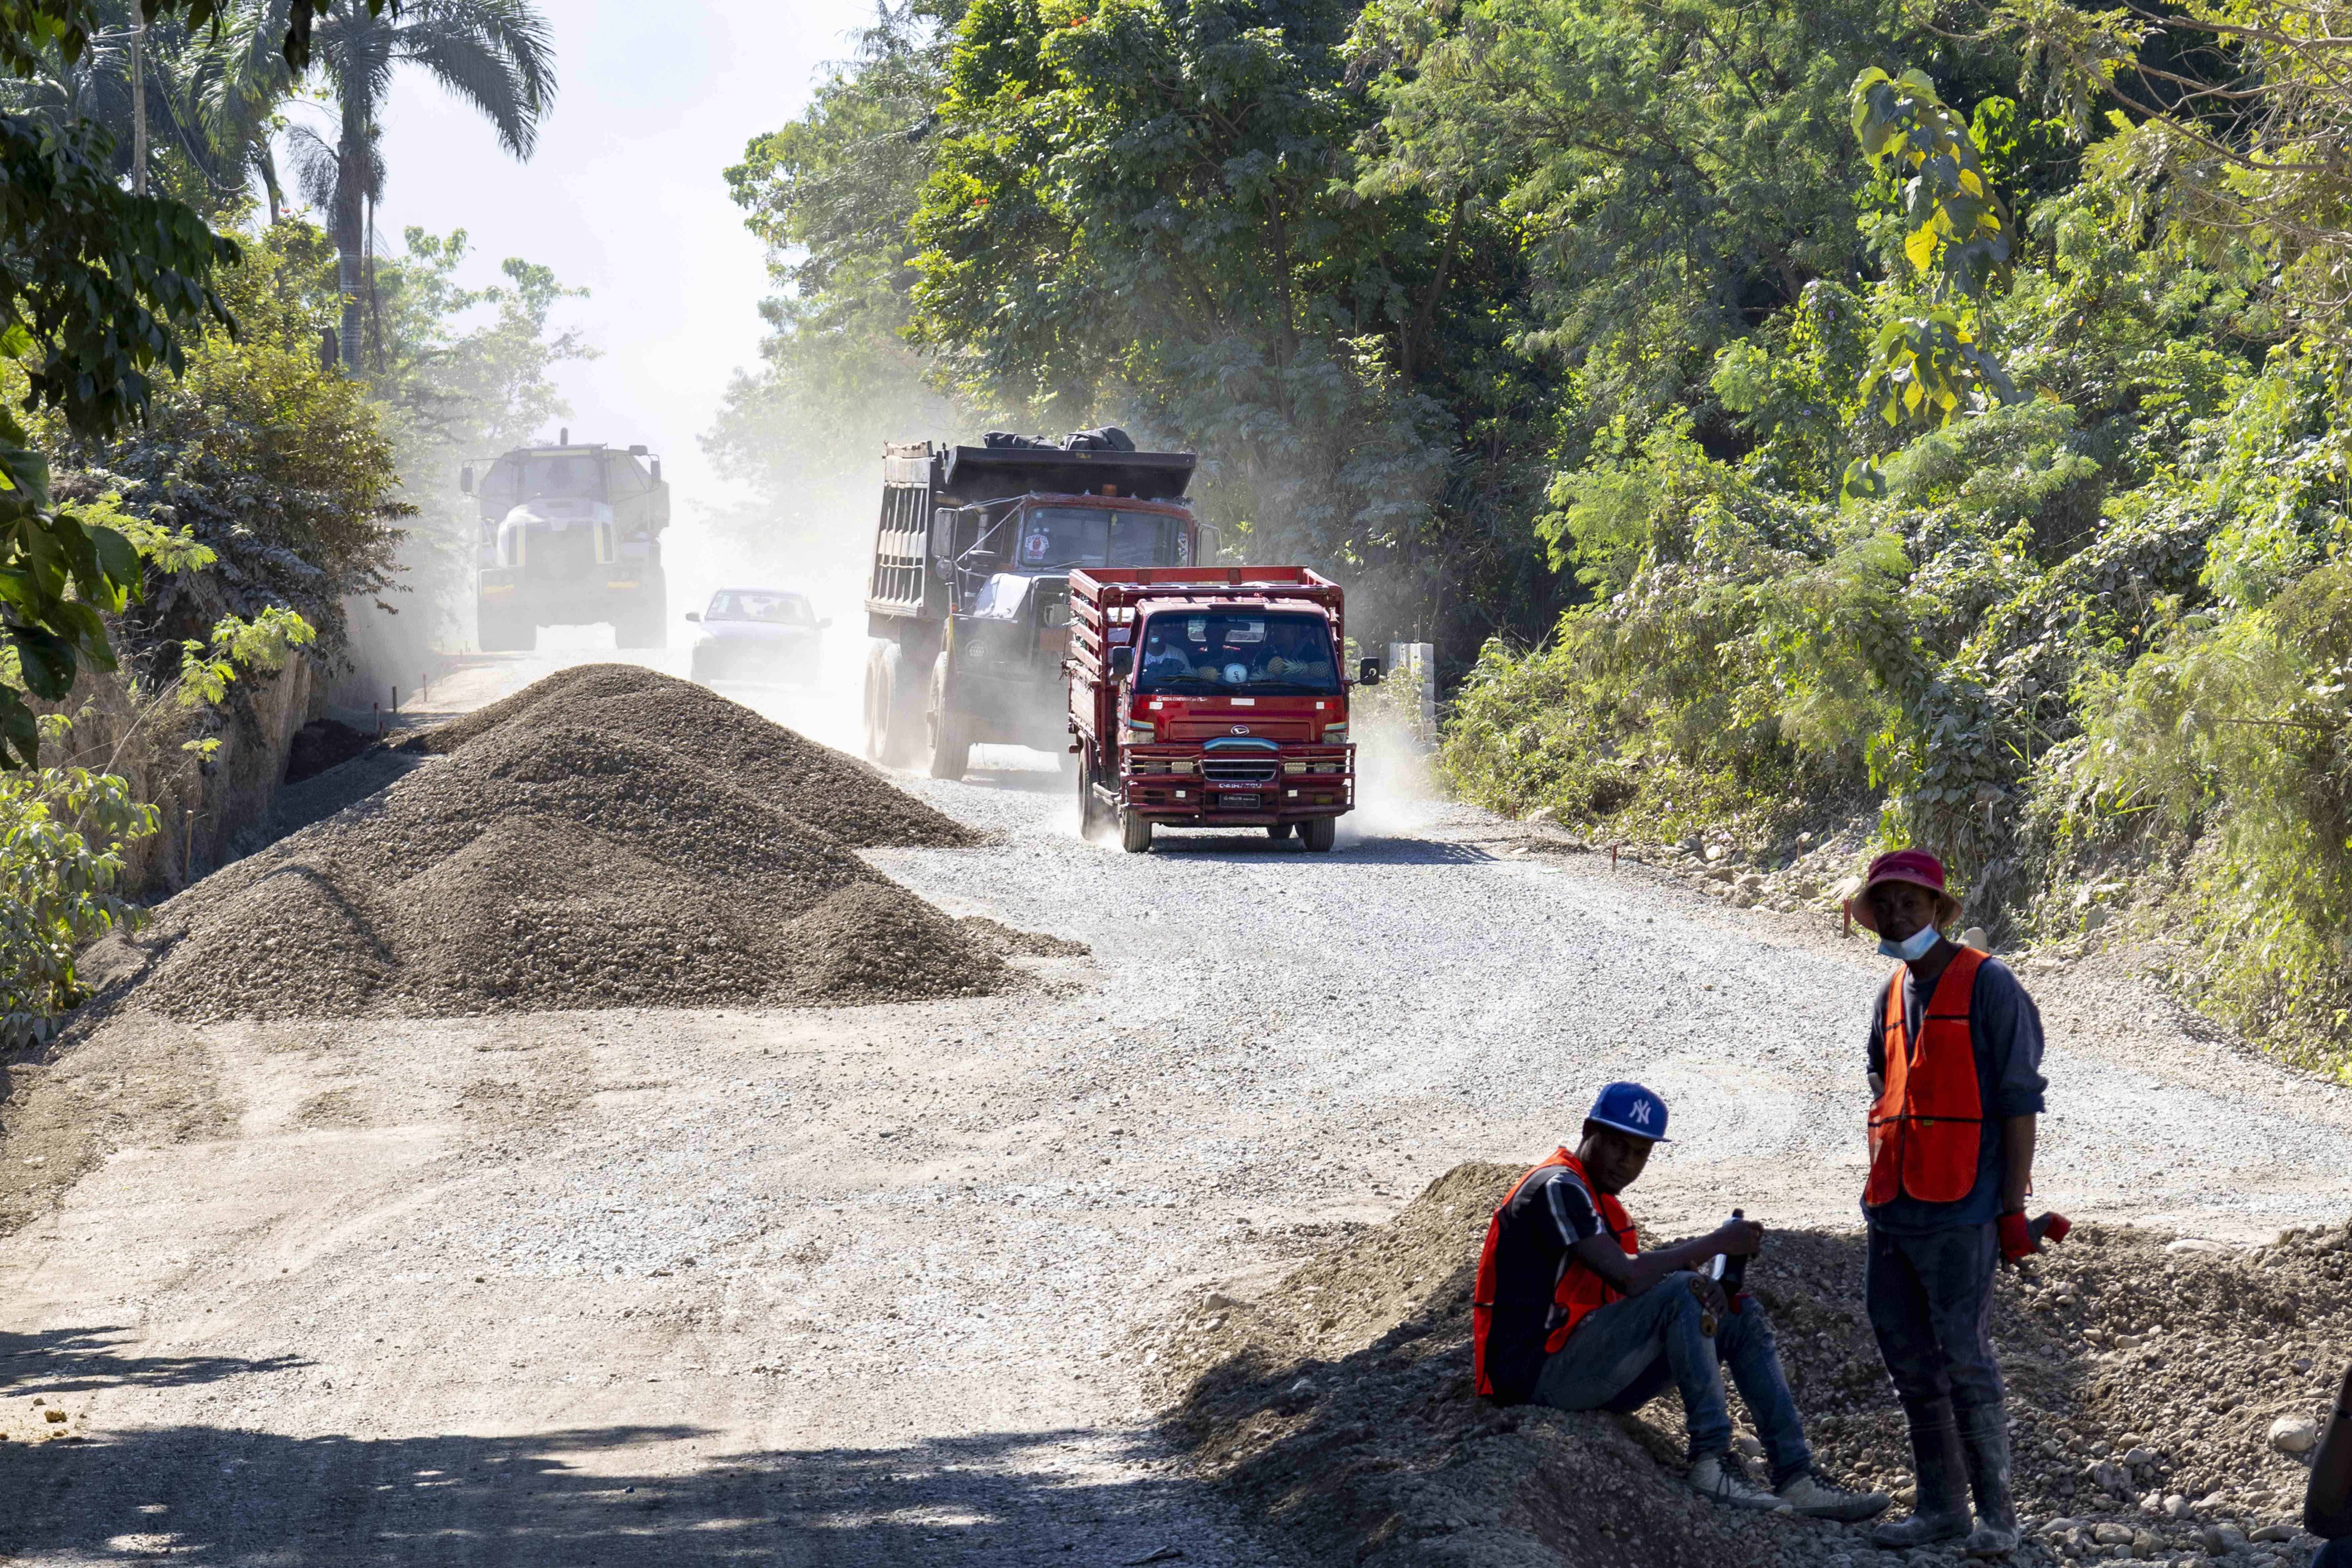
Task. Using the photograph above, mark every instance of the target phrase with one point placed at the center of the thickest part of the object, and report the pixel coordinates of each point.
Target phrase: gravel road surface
(862, 1286)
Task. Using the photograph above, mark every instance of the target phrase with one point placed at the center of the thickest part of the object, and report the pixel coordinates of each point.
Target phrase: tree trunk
(138, 99)
(350, 240)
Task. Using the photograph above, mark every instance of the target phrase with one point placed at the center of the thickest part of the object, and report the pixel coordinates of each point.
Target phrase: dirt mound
(550, 865)
(849, 800)
(1338, 1408)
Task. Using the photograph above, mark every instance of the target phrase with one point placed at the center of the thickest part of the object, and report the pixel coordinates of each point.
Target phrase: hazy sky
(627, 195)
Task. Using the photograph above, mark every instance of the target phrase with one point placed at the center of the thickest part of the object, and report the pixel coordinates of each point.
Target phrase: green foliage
(2246, 731)
(1929, 363)
(61, 835)
(278, 466)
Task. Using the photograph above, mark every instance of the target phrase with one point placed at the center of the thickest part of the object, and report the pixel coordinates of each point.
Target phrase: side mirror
(1211, 543)
(1122, 662)
(466, 480)
(657, 471)
(825, 624)
(1367, 673)
(694, 615)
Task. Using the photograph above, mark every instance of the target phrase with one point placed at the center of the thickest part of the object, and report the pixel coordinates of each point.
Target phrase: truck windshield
(575, 474)
(1281, 653)
(1056, 537)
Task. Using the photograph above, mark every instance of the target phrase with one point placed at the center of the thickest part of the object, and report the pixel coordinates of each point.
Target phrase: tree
(102, 285)
(2236, 116)
(496, 55)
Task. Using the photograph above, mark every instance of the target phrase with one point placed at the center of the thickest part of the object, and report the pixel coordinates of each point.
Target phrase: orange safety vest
(1579, 1291)
(1928, 1120)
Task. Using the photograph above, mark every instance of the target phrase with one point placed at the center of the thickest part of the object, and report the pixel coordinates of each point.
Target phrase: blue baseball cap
(1631, 1108)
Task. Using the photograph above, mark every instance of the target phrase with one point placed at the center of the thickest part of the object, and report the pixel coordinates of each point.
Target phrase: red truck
(1211, 697)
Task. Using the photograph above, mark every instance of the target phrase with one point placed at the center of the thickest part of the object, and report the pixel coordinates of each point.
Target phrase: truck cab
(1214, 699)
(570, 535)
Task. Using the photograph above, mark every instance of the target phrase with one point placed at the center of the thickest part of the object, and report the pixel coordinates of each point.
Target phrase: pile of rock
(2160, 1395)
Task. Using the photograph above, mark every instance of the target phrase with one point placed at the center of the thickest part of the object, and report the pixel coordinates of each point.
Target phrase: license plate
(1239, 802)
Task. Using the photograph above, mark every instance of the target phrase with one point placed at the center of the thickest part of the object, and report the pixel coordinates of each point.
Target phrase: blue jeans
(1624, 1354)
(2335, 1555)
(1930, 1299)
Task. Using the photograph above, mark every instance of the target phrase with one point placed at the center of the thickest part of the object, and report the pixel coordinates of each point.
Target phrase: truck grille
(560, 554)
(1240, 769)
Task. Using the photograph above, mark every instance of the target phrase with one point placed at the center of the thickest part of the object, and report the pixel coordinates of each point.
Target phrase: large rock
(2295, 1434)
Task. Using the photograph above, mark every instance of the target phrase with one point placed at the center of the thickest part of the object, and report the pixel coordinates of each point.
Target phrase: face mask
(1913, 948)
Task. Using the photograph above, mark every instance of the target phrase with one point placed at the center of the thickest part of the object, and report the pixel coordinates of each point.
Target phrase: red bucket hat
(1913, 865)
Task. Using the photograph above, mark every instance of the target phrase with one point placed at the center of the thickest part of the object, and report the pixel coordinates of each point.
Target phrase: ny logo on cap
(1639, 1111)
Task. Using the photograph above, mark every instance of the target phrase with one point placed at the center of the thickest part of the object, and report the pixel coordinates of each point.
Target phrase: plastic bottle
(1730, 1271)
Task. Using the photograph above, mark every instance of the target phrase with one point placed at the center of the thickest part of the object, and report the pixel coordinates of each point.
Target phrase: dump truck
(966, 607)
(1212, 697)
(569, 536)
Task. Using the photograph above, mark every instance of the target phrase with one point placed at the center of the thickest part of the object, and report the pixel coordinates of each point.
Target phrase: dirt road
(861, 1286)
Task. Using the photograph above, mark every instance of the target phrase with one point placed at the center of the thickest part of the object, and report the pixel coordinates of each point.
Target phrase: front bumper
(1324, 785)
(550, 600)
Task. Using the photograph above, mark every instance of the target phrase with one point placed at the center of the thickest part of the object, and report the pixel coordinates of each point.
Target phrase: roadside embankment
(2147, 1377)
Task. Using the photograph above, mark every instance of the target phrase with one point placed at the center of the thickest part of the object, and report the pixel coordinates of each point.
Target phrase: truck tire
(1134, 832)
(893, 706)
(875, 726)
(1319, 832)
(944, 729)
(1094, 818)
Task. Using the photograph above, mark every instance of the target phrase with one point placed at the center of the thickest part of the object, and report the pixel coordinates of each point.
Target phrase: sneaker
(1811, 1496)
(1717, 1478)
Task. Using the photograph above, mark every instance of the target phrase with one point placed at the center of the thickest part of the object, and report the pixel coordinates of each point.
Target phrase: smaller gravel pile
(2147, 1377)
(550, 863)
(844, 797)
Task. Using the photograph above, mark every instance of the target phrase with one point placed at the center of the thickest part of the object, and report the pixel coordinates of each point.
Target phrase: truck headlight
(1293, 767)
(1335, 734)
(1180, 765)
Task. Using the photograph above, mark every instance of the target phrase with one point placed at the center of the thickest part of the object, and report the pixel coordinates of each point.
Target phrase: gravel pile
(2157, 1389)
(847, 799)
(553, 862)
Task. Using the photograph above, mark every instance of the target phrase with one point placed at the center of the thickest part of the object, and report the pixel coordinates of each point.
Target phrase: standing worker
(1956, 1072)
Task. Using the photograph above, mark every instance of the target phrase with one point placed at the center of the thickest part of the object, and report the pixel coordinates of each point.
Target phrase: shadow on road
(1379, 851)
(73, 1361)
(580, 1498)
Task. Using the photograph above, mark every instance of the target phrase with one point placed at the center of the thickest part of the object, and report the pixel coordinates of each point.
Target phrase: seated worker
(1164, 655)
(1568, 1314)
(2327, 1501)
(1300, 653)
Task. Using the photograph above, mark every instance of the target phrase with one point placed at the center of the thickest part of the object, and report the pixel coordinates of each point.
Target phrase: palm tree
(496, 54)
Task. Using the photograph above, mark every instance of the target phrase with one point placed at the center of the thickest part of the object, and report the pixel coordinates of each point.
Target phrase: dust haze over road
(862, 1284)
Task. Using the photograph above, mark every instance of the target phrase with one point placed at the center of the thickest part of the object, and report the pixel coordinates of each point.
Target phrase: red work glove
(2017, 1243)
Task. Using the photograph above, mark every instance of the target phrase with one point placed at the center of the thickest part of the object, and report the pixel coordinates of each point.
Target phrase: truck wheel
(1320, 832)
(1089, 813)
(944, 727)
(1134, 832)
(898, 712)
(876, 725)
(1279, 830)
